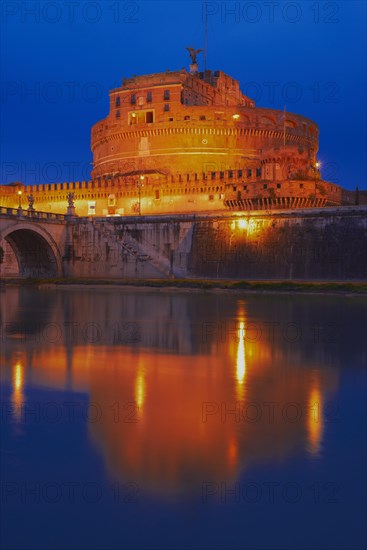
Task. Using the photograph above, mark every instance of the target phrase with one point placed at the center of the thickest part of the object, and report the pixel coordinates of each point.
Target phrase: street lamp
(20, 199)
(316, 170)
(140, 184)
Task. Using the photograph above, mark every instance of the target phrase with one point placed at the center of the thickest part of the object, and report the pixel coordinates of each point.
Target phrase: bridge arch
(35, 250)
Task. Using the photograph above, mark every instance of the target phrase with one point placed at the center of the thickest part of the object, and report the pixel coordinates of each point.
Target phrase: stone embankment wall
(311, 244)
(323, 244)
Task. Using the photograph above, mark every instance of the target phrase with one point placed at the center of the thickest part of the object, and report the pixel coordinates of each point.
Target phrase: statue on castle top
(193, 53)
(71, 208)
(70, 197)
(30, 202)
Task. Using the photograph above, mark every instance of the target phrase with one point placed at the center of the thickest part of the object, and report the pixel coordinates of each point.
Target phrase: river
(161, 419)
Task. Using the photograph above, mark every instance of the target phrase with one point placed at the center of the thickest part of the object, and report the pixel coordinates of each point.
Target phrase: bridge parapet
(31, 214)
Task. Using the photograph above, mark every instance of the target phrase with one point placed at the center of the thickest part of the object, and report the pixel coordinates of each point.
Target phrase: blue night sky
(309, 56)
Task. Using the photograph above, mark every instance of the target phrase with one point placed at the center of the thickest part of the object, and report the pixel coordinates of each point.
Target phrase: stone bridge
(313, 244)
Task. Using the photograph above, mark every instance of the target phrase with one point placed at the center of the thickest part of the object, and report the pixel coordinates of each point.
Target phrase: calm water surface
(167, 419)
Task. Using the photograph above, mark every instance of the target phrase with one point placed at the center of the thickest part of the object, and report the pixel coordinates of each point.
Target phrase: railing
(32, 214)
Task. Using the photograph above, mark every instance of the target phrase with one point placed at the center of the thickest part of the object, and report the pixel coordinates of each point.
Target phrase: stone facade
(192, 142)
(302, 244)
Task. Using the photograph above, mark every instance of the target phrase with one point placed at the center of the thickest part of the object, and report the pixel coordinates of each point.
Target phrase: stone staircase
(131, 248)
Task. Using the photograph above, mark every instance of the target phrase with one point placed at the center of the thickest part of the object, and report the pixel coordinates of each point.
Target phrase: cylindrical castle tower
(192, 142)
(178, 122)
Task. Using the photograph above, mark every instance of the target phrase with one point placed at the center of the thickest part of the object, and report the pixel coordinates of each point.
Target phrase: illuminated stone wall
(177, 142)
(176, 122)
(322, 243)
(179, 193)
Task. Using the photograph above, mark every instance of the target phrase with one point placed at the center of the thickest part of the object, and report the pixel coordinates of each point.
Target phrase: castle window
(91, 208)
(186, 117)
(234, 188)
(239, 173)
(301, 185)
(213, 175)
(140, 117)
(202, 117)
(258, 172)
(265, 185)
(221, 175)
(149, 97)
(133, 99)
(166, 107)
(117, 114)
(230, 173)
(117, 103)
(279, 185)
(166, 95)
(170, 119)
(196, 177)
(211, 197)
(149, 117)
(244, 187)
(249, 172)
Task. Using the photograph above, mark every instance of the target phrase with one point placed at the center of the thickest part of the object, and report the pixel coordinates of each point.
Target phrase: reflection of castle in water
(149, 322)
(205, 418)
(194, 423)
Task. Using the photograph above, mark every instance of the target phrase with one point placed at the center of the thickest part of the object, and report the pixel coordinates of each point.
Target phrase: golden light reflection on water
(17, 396)
(315, 420)
(171, 443)
(241, 361)
(140, 388)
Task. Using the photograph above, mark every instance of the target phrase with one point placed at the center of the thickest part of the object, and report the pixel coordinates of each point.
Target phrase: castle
(190, 141)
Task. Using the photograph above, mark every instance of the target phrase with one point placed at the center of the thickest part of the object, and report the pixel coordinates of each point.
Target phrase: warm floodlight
(242, 224)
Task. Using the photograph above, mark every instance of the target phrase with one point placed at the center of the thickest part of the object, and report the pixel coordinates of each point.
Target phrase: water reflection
(17, 396)
(180, 404)
(140, 388)
(315, 423)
